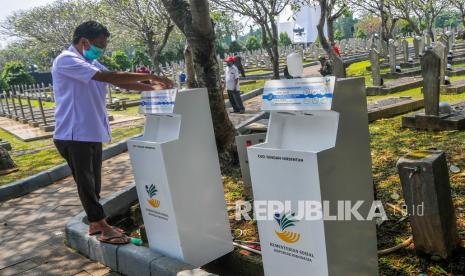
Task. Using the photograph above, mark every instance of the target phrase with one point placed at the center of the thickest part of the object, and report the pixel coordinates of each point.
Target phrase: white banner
(158, 101)
(298, 94)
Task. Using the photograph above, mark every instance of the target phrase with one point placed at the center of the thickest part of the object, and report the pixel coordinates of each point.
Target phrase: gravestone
(416, 46)
(431, 71)
(6, 163)
(5, 144)
(375, 70)
(441, 50)
(426, 189)
(392, 56)
(405, 50)
(432, 119)
(384, 47)
(339, 70)
(450, 40)
(445, 41)
(428, 39)
(422, 44)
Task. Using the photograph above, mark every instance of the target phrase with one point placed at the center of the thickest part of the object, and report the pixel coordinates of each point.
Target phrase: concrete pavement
(32, 226)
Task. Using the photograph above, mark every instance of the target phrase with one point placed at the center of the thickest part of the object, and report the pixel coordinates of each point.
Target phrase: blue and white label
(298, 94)
(158, 101)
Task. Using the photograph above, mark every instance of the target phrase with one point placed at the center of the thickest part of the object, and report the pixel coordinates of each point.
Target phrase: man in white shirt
(232, 86)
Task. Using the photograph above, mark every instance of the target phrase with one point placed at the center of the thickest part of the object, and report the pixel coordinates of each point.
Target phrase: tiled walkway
(32, 226)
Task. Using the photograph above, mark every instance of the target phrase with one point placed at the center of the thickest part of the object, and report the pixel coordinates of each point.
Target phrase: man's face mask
(93, 52)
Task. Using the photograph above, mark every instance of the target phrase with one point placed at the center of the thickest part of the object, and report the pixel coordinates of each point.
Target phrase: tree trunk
(413, 25)
(274, 47)
(155, 50)
(266, 42)
(190, 71)
(330, 25)
(392, 27)
(431, 33)
(194, 21)
(338, 65)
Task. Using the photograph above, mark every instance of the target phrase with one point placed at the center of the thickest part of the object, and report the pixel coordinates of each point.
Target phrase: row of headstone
(259, 59)
(34, 91)
(19, 106)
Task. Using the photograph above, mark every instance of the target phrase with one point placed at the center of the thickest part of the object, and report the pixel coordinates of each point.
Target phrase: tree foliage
(52, 25)
(264, 13)
(251, 43)
(235, 47)
(15, 73)
(121, 60)
(140, 58)
(345, 25)
(225, 26)
(147, 19)
(284, 39)
(368, 24)
(108, 62)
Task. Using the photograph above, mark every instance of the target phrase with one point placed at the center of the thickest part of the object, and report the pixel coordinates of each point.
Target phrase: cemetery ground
(389, 141)
(36, 156)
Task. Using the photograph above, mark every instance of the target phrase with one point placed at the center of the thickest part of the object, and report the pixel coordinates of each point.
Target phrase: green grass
(257, 72)
(42, 155)
(389, 141)
(358, 69)
(252, 86)
(130, 111)
(458, 65)
(121, 95)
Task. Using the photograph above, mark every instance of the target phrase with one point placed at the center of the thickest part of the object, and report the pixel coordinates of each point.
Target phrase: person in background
(336, 49)
(238, 63)
(232, 86)
(144, 70)
(79, 84)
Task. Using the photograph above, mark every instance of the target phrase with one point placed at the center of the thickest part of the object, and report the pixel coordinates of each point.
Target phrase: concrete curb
(45, 178)
(127, 259)
(246, 96)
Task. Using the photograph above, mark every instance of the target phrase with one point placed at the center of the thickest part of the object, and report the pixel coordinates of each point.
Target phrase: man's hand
(158, 87)
(163, 82)
(132, 81)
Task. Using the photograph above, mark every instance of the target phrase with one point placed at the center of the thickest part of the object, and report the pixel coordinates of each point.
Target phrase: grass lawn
(257, 72)
(36, 156)
(252, 86)
(359, 69)
(121, 95)
(388, 143)
(459, 65)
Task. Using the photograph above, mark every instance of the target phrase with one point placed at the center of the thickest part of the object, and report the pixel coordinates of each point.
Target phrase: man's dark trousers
(236, 100)
(85, 161)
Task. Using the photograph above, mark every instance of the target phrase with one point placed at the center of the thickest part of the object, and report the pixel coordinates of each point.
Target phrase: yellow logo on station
(285, 221)
(152, 191)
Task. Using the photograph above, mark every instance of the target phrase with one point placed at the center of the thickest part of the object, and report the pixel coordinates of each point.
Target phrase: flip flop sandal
(123, 239)
(100, 231)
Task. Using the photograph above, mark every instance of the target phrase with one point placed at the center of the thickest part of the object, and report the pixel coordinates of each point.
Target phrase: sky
(8, 6)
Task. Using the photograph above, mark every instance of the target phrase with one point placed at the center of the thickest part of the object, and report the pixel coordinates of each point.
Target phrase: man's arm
(122, 78)
(140, 86)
